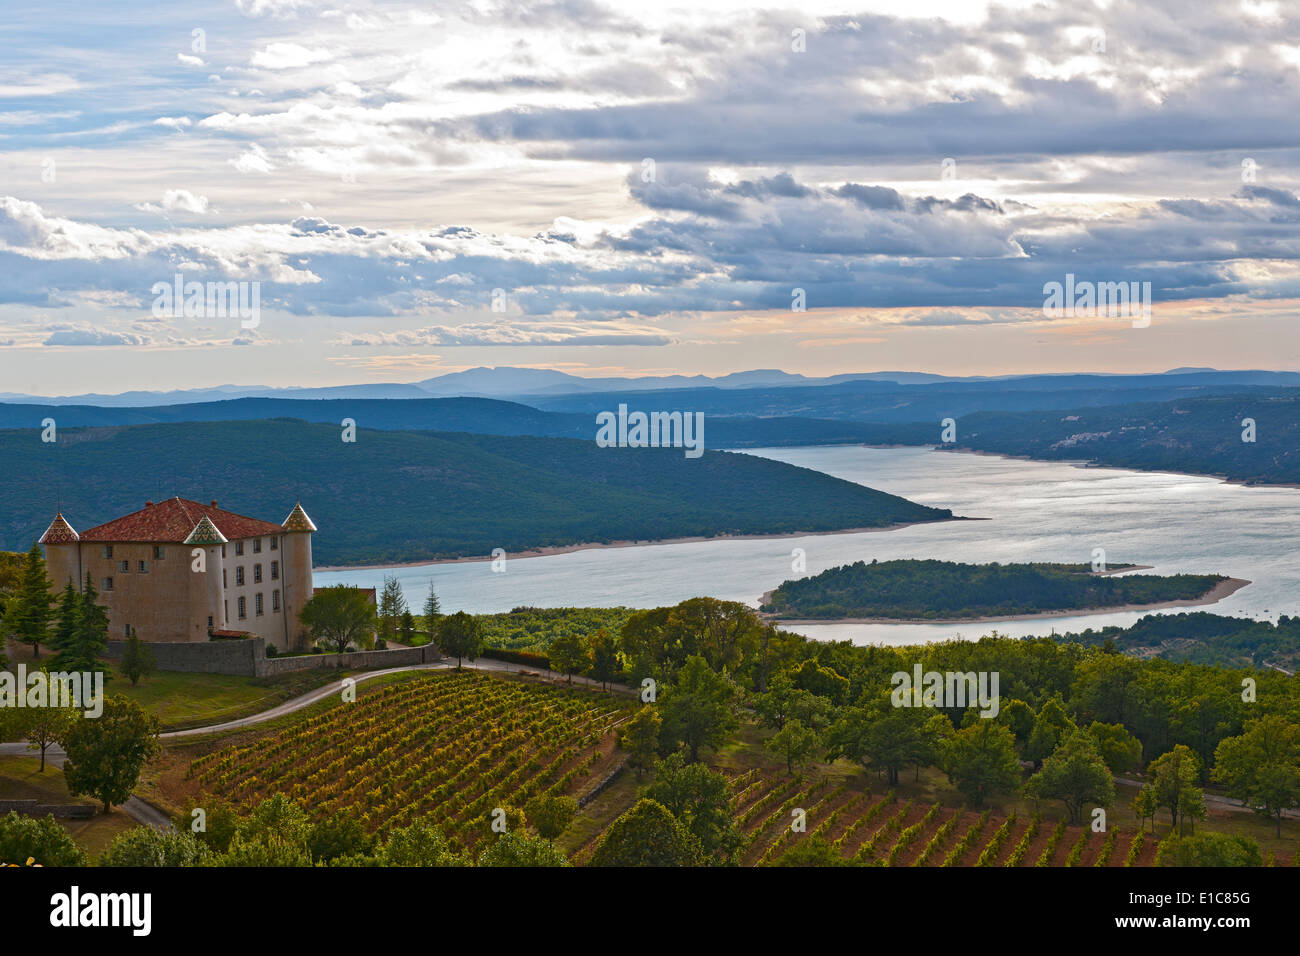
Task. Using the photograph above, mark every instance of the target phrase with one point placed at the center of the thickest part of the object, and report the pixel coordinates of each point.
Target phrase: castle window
(257, 545)
(239, 579)
(257, 604)
(275, 570)
(239, 548)
(275, 600)
(223, 550)
(108, 551)
(223, 577)
(225, 611)
(275, 544)
(106, 584)
(144, 566)
(257, 574)
(159, 553)
(243, 608)
(124, 567)
(209, 620)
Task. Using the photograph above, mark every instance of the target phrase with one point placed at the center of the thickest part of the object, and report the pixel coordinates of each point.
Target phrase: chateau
(181, 571)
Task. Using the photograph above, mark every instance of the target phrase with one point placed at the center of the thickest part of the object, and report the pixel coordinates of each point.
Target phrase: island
(920, 591)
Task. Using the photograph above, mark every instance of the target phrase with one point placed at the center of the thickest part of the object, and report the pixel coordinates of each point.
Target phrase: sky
(629, 188)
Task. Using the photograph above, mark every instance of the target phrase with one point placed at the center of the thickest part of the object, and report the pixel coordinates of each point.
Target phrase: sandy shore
(597, 546)
(1217, 593)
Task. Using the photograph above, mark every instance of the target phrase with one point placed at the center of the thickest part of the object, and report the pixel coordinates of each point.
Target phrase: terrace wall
(247, 658)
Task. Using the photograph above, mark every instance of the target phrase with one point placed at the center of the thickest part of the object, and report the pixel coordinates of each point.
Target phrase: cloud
(287, 56)
(178, 200)
(93, 337)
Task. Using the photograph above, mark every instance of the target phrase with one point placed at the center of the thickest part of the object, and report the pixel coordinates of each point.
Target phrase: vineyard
(453, 747)
(879, 830)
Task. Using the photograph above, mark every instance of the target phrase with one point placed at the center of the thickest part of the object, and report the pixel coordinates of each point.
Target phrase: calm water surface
(1038, 511)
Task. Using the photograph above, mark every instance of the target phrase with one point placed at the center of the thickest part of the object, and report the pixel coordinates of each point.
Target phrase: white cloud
(288, 56)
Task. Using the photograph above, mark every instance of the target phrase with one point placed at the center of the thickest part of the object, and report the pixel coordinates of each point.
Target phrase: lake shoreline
(598, 546)
(1216, 594)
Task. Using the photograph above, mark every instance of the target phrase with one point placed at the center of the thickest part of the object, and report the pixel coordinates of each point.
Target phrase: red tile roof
(171, 521)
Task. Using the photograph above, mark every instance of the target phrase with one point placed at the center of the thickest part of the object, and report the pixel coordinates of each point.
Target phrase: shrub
(39, 838)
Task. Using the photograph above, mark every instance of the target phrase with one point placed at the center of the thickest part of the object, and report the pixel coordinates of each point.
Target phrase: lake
(1037, 511)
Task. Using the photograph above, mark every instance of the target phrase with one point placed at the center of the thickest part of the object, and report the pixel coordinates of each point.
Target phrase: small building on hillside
(181, 571)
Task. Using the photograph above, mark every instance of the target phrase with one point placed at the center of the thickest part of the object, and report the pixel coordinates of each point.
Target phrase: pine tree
(67, 618)
(408, 627)
(90, 638)
(432, 611)
(137, 660)
(27, 613)
(392, 605)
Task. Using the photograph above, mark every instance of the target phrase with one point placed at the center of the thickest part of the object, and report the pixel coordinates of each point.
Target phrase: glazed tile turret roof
(59, 532)
(298, 520)
(174, 520)
(205, 532)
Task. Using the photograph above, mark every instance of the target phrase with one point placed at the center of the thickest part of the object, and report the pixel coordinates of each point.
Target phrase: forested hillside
(404, 496)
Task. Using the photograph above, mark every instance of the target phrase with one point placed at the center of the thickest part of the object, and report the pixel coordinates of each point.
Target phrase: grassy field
(182, 701)
(20, 779)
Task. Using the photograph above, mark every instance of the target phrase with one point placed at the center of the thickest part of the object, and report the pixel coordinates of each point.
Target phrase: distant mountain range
(526, 383)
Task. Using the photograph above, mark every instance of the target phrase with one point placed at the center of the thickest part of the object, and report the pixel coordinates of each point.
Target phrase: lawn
(20, 779)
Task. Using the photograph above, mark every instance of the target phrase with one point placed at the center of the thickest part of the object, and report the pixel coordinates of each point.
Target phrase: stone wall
(247, 658)
(240, 657)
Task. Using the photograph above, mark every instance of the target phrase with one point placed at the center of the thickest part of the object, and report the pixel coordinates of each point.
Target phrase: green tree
(39, 839)
(550, 814)
(1145, 806)
(105, 755)
(883, 737)
(339, 616)
(1208, 849)
(408, 627)
(602, 650)
(1261, 767)
(981, 761)
(146, 846)
(392, 605)
(460, 636)
(700, 799)
(1051, 727)
(568, 655)
(28, 610)
(796, 744)
(432, 611)
(67, 618)
(89, 641)
(698, 709)
(137, 659)
(1076, 775)
(420, 844)
(44, 726)
(646, 835)
(1173, 778)
(514, 850)
(639, 736)
(338, 835)
(1118, 748)
(821, 681)
(1018, 717)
